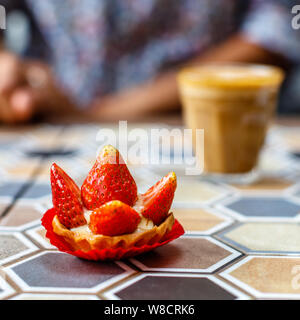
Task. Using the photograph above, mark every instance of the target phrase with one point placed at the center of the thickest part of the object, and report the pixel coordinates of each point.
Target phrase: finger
(22, 104)
(6, 113)
(11, 73)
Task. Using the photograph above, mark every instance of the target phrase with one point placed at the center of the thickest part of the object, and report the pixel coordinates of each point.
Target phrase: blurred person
(117, 59)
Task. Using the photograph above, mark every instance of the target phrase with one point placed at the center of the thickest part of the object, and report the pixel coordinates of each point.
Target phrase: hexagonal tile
(49, 296)
(273, 163)
(45, 136)
(267, 183)
(261, 207)
(9, 189)
(37, 190)
(5, 289)
(187, 254)
(296, 191)
(39, 235)
(264, 237)
(191, 192)
(60, 272)
(14, 245)
(267, 277)
(290, 138)
(3, 206)
(21, 215)
(170, 286)
(201, 220)
(71, 165)
(23, 169)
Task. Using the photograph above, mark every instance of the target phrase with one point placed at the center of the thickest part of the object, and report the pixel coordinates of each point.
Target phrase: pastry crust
(86, 241)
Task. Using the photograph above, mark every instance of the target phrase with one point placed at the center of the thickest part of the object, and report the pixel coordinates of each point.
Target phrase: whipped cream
(145, 224)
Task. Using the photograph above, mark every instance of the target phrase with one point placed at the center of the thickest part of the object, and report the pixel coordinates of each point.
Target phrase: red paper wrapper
(105, 254)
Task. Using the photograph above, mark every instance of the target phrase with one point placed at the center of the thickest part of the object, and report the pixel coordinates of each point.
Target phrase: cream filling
(145, 224)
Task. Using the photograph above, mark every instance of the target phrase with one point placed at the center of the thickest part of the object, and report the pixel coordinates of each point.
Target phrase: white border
(7, 289)
(31, 247)
(238, 245)
(25, 202)
(27, 288)
(227, 220)
(47, 296)
(38, 238)
(110, 294)
(218, 188)
(222, 206)
(258, 294)
(234, 254)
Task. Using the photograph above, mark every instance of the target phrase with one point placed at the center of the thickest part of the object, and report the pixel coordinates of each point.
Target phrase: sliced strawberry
(114, 218)
(157, 201)
(108, 180)
(66, 198)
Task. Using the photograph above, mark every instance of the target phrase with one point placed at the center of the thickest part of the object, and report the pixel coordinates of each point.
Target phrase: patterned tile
(23, 169)
(261, 207)
(264, 237)
(191, 193)
(187, 254)
(274, 163)
(3, 206)
(295, 192)
(72, 167)
(290, 138)
(5, 289)
(268, 227)
(168, 286)
(37, 190)
(21, 215)
(49, 296)
(45, 136)
(10, 189)
(270, 277)
(39, 235)
(267, 183)
(60, 272)
(201, 220)
(14, 245)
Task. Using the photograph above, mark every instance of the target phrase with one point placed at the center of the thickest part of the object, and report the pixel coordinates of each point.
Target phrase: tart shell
(89, 241)
(100, 247)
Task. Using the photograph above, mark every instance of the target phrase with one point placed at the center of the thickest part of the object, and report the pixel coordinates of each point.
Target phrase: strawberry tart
(108, 211)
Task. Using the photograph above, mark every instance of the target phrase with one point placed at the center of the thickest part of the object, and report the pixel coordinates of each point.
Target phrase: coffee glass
(233, 103)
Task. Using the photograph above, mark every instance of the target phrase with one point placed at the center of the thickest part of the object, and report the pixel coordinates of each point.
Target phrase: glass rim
(231, 75)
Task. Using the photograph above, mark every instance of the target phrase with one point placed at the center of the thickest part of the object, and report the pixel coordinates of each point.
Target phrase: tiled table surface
(241, 242)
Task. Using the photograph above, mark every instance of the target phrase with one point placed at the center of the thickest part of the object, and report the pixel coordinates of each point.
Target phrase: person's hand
(128, 105)
(149, 99)
(28, 88)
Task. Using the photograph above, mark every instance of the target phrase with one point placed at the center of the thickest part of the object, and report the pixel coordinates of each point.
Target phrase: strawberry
(66, 198)
(109, 179)
(114, 218)
(156, 202)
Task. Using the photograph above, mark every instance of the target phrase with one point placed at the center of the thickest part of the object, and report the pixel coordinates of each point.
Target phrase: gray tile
(265, 207)
(65, 271)
(174, 288)
(10, 189)
(10, 245)
(37, 190)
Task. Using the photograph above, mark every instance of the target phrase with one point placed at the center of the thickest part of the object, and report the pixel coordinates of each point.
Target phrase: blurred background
(97, 61)
(117, 59)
